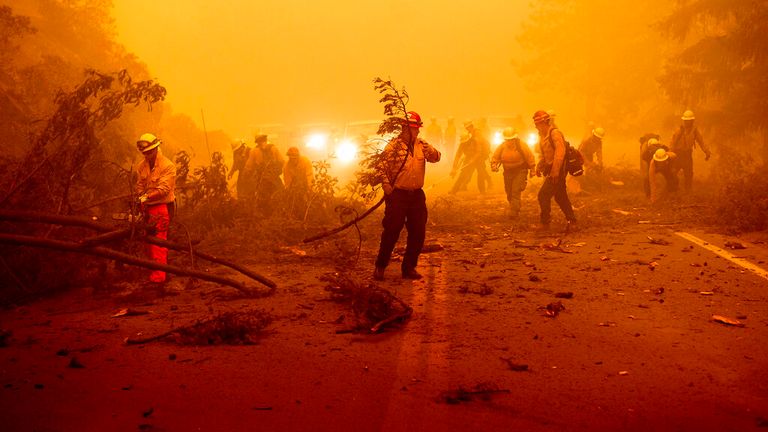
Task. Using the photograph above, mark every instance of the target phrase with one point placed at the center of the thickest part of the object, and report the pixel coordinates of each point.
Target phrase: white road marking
(725, 254)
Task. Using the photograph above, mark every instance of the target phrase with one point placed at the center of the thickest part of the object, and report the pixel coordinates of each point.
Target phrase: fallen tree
(32, 241)
(111, 233)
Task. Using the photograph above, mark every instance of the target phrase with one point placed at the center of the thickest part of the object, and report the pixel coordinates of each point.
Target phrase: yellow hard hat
(598, 132)
(660, 155)
(688, 115)
(147, 142)
(509, 133)
(652, 141)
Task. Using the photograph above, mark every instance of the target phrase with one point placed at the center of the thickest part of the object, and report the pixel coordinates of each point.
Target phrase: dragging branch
(345, 226)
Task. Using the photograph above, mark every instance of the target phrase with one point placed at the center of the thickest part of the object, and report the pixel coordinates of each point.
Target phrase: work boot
(378, 273)
(571, 226)
(411, 274)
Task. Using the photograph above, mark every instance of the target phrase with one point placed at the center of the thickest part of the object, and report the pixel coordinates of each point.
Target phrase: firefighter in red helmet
(405, 159)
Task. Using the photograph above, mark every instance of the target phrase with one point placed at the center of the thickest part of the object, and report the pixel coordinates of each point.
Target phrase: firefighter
(434, 133)
(405, 203)
(591, 149)
(240, 153)
(552, 166)
(518, 162)
(449, 137)
(264, 166)
(662, 163)
(646, 156)
(156, 185)
(471, 155)
(298, 177)
(684, 140)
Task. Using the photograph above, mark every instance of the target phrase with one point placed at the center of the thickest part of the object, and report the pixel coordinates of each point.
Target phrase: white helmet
(688, 115)
(598, 132)
(660, 155)
(509, 133)
(147, 142)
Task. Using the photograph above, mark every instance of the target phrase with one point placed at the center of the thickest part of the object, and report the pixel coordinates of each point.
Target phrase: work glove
(143, 199)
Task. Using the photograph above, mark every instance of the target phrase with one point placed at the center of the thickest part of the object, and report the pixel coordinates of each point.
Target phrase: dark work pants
(685, 162)
(515, 181)
(554, 189)
(409, 209)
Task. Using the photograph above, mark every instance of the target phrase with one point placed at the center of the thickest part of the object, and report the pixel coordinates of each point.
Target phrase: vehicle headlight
(346, 151)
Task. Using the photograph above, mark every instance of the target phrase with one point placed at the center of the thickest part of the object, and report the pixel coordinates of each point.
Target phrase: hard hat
(653, 141)
(688, 115)
(293, 152)
(660, 155)
(469, 125)
(147, 142)
(598, 132)
(237, 144)
(414, 120)
(509, 133)
(261, 138)
(541, 117)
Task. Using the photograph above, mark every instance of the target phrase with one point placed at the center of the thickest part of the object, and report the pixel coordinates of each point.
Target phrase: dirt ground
(634, 349)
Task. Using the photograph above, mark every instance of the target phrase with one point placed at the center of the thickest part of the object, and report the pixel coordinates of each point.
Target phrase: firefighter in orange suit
(155, 186)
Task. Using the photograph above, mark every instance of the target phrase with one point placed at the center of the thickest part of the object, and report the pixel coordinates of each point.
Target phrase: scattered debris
(484, 391)
(707, 293)
(515, 366)
(644, 222)
(262, 408)
(734, 245)
(555, 246)
(727, 321)
(623, 373)
(4, 336)
(616, 182)
(148, 412)
(554, 309)
(607, 324)
(622, 212)
(565, 295)
(652, 265)
(374, 308)
(659, 291)
(294, 250)
(483, 290)
(658, 241)
(129, 312)
(230, 328)
(74, 363)
(533, 278)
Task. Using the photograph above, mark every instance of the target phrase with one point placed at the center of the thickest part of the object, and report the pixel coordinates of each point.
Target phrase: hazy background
(291, 61)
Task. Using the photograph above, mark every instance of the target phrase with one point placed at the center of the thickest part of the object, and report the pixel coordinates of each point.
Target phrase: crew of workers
(259, 170)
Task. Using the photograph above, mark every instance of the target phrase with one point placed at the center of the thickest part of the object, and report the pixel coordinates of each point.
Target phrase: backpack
(573, 162)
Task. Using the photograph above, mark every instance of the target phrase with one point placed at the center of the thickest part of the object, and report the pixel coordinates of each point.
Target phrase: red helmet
(540, 117)
(414, 120)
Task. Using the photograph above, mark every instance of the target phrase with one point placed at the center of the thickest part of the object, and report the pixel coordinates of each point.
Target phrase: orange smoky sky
(247, 63)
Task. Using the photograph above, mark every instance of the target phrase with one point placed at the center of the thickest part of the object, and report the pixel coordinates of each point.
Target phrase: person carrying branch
(156, 185)
(404, 166)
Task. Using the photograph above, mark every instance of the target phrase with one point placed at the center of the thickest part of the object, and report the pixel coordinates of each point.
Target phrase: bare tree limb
(346, 225)
(22, 240)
